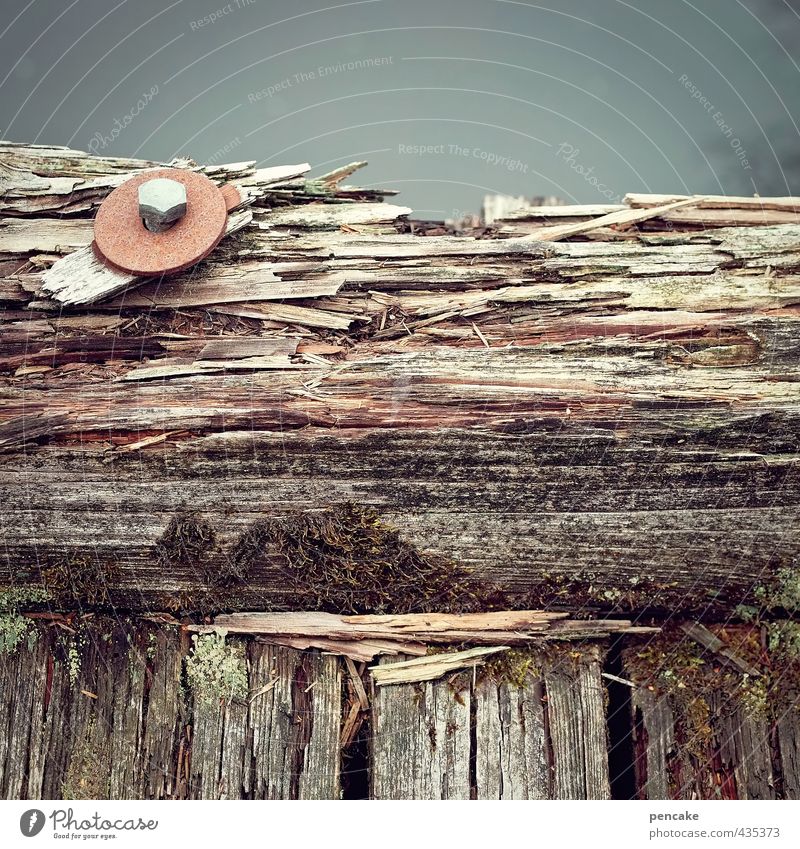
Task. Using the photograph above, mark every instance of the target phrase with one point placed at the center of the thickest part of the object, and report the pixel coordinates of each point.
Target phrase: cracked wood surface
(103, 713)
(98, 707)
(620, 410)
(541, 738)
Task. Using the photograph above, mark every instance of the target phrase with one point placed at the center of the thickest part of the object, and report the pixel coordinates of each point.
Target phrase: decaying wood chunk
(707, 728)
(364, 637)
(337, 413)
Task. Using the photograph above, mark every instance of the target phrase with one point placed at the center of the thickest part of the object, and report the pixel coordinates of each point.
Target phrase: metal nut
(162, 202)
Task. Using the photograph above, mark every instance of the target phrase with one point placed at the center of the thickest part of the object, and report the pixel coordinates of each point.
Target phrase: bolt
(162, 202)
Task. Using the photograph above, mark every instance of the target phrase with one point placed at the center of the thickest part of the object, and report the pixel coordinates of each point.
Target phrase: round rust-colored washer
(121, 239)
(232, 196)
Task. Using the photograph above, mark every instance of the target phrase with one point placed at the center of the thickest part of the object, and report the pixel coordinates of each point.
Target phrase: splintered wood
(431, 667)
(364, 637)
(658, 336)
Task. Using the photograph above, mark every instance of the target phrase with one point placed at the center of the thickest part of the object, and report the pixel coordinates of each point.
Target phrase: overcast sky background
(447, 99)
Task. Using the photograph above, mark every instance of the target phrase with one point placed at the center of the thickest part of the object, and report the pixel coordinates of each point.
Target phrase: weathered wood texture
(282, 742)
(701, 732)
(104, 714)
(617, 415)
(543, 737)
(421, 741)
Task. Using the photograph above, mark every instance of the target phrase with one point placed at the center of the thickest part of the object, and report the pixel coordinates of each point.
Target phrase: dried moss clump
(81, 579)
(185, 542)
(215, 669)
(348, 560)
(13, 626)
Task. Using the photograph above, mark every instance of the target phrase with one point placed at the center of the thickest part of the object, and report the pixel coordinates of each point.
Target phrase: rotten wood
(605, 423)
(522, 396)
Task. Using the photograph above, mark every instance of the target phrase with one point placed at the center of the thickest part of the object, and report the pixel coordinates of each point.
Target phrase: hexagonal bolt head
(162, 202)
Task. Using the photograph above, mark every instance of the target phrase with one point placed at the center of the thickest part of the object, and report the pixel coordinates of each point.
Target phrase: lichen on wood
(215, 669)
(15, 627)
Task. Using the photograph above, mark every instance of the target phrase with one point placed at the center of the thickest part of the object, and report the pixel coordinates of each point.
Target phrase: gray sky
(447, 99)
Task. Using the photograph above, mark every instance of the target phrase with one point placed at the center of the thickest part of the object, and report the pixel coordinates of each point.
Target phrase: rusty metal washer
(122, 241)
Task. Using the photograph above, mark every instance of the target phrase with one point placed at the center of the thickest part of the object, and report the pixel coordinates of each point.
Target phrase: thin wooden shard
(431, 667)
(700, 634)
(620, 217)
(785, 204)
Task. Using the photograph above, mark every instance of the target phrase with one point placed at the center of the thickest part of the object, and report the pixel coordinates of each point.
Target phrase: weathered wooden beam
(612, 422)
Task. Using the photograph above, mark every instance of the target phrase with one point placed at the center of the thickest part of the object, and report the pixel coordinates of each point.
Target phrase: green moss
(216, 669)
(12, 598)
(783, 639)
(782, 591)
(671, 663)
(14, 627)
(73, 662)
(593, 590)
(152, 646)
(754, 695)
(513, 666)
